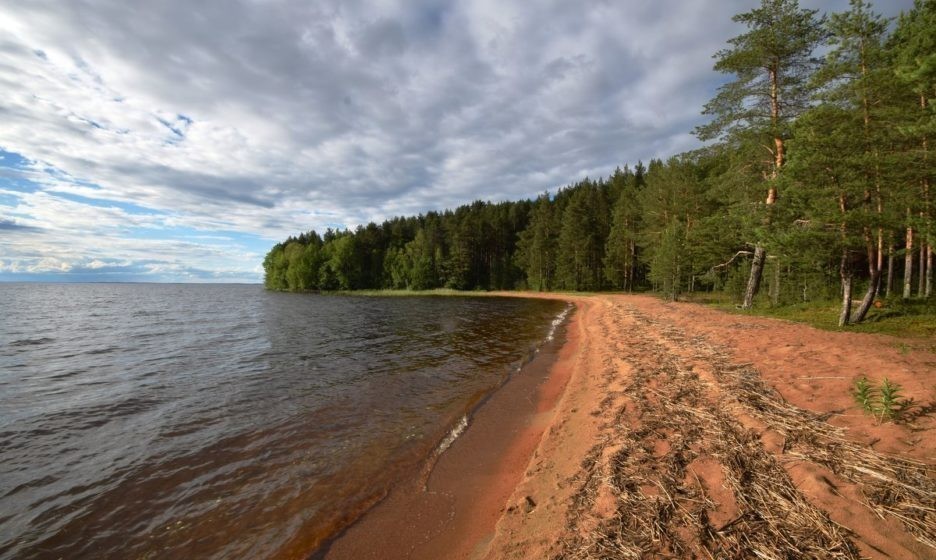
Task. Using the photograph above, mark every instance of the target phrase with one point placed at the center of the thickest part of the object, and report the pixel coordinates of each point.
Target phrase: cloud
(268, 118)
(11, 225)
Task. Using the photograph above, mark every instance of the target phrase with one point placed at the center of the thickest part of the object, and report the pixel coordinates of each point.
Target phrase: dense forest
(815, 183)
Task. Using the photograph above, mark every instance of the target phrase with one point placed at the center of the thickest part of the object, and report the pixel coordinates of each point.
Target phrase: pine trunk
(890, 267)
(757, 271)
(775, 288)
(779, 153)
(874, 284)
(846, 276)
(929, 271)
(921, 281)
(908, 265)
(874, 248)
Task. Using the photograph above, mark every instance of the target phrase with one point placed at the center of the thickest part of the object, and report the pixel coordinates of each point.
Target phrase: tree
(826, 188)
(671, 206)
(772, 62)
(274, 268)
(666, 270)
(858, 82)
(537, 246)
(420, 261)
(914, 46)
(582, 238)
(620, 260)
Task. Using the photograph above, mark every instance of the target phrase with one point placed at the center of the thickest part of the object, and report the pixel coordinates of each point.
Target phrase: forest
(814, 184)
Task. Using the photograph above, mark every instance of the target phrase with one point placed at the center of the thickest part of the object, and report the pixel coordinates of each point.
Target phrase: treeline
(816, 184)
(554, 242)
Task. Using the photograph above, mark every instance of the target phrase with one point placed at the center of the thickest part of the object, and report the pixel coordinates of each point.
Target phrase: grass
(403, 293)
(448, 292)
(910, 319)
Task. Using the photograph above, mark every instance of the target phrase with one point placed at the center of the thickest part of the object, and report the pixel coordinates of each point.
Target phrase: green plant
(886, 403)
(890, 403)
(864, 394)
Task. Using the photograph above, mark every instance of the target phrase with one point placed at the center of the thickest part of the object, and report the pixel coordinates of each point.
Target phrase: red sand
(505, 489)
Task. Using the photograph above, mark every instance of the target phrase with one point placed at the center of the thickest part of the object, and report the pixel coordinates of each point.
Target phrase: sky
(178, 140)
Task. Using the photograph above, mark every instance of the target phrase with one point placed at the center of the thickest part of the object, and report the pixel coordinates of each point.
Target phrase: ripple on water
(225, 421)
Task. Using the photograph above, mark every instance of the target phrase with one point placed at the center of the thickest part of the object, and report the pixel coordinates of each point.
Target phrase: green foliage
(890, 402)
(864, 394)
(779, 41)
(538, 245)
(620, 258)
(886, 402)
(665, 261)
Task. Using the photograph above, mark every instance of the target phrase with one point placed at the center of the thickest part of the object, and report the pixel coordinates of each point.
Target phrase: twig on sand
(662, 511)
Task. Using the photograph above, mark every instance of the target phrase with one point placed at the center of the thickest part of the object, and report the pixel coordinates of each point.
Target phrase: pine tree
(826, 187)
(671, 207)
(772, 62)
(537, 247)
(666, 263)
(621, 248)
(573, 244)
(859, 82)
(914, 45)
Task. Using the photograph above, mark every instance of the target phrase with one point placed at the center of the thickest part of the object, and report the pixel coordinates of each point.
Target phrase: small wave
(453, 434)
(558, 321)
(32, 341)
(106, 350)
(67, 374)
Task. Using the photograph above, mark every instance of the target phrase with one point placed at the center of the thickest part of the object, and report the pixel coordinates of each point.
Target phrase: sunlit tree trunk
(890, 266)
(921, 277)
(908, 263)
(874, 281)
(846, 276)
(760, 254)
(929, 272)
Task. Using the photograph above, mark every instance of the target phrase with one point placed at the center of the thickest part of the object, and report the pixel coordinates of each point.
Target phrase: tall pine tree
(772, 63)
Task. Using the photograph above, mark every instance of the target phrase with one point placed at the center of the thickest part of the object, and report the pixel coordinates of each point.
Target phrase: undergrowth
(885, 403)
(913, 318)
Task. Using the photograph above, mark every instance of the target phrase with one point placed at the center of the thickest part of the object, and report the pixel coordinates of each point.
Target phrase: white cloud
(268, 118)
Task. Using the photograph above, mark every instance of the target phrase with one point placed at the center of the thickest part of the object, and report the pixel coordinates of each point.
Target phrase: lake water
(223, 421)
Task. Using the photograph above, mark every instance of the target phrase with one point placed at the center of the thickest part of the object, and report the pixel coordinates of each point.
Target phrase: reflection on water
(162, 421)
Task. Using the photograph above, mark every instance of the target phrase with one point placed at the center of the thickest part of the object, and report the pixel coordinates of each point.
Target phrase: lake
(224, 421)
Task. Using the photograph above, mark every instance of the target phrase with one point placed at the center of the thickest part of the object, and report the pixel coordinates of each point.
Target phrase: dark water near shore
(219, 421)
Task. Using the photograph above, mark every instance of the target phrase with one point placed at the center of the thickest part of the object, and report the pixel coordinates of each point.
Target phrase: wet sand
(451, 511)
(675, 430)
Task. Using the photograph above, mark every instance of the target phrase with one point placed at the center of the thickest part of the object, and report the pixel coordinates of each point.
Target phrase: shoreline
(686, 431)
(641, 414)
(450, 508)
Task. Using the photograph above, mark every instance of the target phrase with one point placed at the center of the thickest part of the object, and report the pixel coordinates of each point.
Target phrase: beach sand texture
(672, 430)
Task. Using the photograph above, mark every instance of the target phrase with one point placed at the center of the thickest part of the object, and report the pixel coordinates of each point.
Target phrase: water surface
(219, 421)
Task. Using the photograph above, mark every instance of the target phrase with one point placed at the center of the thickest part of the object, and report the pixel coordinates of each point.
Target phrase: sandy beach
(672, 430)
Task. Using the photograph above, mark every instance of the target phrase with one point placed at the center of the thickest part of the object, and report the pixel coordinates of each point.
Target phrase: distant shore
(676, 429)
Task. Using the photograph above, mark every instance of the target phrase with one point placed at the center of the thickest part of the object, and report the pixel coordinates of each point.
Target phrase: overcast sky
(177, 140)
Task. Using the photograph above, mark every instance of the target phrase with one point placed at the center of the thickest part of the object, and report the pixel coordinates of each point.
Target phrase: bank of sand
(672, 430)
